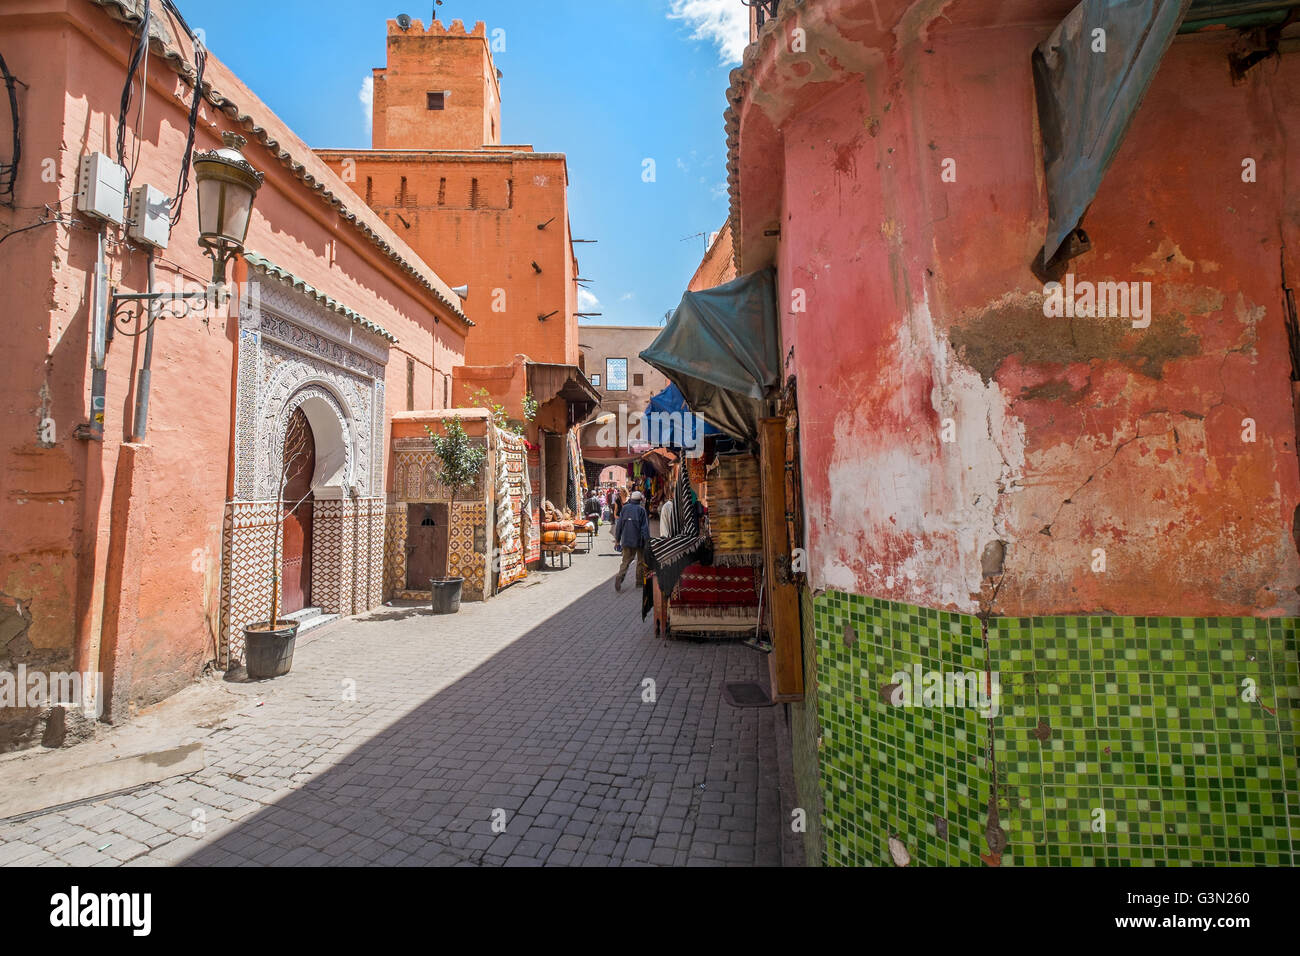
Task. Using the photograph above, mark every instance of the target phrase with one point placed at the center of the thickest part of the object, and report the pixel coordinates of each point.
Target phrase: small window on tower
(436, 101)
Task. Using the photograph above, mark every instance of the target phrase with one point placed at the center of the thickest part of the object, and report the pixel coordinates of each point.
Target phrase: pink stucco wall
(1069, 435)
(69, 520)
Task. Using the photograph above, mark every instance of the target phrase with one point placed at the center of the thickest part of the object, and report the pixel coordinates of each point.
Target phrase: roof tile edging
(737, 89)
(267, 267)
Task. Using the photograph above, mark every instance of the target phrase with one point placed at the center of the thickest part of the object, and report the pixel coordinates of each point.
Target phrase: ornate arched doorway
(302, 359)
(299, 504)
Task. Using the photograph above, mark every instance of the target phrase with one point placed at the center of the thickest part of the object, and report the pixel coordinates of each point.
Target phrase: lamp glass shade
(226, 187)
(209, 207)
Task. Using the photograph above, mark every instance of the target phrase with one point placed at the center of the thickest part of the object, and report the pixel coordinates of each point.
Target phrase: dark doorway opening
(300, 504)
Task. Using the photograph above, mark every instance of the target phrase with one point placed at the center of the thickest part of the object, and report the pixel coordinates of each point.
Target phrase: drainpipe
(99, 343)
(141, 420)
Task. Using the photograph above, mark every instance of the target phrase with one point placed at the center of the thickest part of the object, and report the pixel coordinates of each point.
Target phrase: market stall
(722, 350)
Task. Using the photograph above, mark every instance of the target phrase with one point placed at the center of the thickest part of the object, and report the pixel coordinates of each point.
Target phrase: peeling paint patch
(1015, 325)
(931, 506)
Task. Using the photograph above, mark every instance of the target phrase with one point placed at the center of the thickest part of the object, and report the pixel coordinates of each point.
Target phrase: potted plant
(268, 645)
(460, 460)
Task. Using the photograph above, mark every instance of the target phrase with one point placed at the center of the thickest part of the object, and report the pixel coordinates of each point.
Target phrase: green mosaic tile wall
(1118, 740)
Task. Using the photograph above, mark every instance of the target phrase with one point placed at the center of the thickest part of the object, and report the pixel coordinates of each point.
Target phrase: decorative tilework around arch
(294, 353)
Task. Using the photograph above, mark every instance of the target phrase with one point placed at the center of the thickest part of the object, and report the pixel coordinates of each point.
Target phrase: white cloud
(367, 97)
(725, 23)
(627, 297)
(587, 301)
(720, 191)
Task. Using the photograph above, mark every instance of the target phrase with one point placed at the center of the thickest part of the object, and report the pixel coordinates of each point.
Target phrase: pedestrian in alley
(632, 532)
(591, 508)
(667, 519)
(615, 507)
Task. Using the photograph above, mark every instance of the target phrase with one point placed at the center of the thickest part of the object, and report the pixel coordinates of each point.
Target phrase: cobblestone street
(530, 704)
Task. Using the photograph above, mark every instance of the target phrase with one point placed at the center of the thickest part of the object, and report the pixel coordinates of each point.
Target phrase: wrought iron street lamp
(227, 183)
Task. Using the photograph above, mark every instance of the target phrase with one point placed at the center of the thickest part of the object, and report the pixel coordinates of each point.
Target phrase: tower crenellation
(439, 89)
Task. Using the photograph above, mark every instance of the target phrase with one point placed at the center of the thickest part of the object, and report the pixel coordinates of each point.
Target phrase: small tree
(461, 459)
(482, 398)
(297, 446)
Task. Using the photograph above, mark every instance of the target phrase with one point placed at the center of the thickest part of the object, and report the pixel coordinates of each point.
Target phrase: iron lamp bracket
(127, 308)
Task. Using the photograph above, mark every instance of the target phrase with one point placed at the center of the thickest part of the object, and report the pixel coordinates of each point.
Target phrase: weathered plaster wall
(603, 342)
(718, 265)
(1067, 436)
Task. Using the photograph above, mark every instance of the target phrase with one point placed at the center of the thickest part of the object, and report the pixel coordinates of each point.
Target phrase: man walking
(632, 532)
(591, 508)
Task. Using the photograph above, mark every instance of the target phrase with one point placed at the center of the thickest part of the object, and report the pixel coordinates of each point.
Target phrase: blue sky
(608, 82)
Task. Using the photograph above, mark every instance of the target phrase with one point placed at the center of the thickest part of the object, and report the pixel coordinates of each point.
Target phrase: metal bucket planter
(446, 594)
(268, 651)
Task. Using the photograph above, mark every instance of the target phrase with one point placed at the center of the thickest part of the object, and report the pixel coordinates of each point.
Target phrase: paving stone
(529, 703)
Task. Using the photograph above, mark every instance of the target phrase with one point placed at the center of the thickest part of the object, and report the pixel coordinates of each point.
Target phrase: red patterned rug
(702, 584)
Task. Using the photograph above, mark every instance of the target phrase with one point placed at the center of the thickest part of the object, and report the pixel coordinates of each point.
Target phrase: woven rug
(668, 557)
(701, 585)
(513, 497)
(533, 552)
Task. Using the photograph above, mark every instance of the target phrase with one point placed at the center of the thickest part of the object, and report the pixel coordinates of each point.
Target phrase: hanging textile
(533, 550)
(735, 511)
(514, 503)
(668, 557)
(577, 474)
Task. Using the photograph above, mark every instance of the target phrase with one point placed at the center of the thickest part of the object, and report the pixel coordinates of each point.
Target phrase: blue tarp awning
(670, 418)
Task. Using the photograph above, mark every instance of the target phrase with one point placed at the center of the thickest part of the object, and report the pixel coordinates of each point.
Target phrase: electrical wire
(52, 216)
(9, 171)
(138, 53)
(183, 181)
(35, 225)
(144, 99)
(47, 205)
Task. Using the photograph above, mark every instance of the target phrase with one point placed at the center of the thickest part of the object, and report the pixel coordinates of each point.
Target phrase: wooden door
(299, 503)
(427, 538)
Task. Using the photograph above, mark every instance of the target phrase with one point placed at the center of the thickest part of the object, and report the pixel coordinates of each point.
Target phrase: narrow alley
(531, 704)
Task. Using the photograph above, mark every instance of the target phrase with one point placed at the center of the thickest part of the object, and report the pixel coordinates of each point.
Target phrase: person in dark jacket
(632, 532)
(591, 507)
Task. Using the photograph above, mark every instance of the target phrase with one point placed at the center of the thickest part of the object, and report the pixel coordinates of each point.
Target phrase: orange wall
(453, 61)
(474, 218)
(66, 513)
(717, 267)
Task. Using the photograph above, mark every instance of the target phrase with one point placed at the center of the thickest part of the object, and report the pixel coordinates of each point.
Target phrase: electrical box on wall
(150, 216)
(101, 191)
